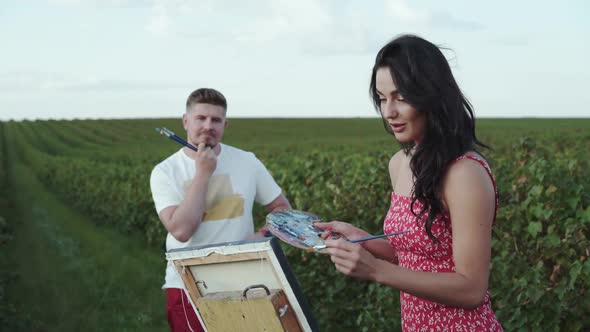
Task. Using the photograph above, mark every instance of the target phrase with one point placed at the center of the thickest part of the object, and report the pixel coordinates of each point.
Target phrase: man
(207, 196)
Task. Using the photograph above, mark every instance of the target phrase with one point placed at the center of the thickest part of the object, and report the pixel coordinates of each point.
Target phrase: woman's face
(406, 123)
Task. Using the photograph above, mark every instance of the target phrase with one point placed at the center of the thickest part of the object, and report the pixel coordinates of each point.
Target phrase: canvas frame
(234, 266)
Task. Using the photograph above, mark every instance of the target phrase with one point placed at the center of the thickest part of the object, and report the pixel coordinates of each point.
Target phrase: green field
(81, 242)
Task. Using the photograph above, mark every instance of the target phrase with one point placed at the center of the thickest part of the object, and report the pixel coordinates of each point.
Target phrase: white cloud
(309, 26)
(31, 81)
(101, 3)
(159, 21)
(446, 20)
(58, 82)
(401, 10)
(121, 51)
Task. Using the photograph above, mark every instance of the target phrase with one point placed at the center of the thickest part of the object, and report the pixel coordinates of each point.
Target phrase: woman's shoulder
(471, 161)
(474, 156)
(395, 165)
(397, 159)
(468, 181)
(469, 170)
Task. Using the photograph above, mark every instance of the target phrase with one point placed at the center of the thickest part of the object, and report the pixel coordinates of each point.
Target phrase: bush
(540, 258)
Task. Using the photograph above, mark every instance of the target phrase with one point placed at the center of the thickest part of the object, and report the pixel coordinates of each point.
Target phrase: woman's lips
(398, 127)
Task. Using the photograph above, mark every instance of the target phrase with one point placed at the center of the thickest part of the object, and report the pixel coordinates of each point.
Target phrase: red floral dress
(417, 252)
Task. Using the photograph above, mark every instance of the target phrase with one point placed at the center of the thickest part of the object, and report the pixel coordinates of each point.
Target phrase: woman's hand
(352, 259)
(345, 229)
(379, 248)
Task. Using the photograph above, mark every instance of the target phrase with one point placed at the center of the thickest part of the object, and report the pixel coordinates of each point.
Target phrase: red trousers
(180, 312)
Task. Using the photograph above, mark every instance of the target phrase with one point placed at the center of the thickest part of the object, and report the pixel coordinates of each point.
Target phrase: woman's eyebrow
(393, 93)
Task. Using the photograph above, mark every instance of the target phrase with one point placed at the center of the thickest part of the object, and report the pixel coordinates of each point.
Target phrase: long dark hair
(423, 77)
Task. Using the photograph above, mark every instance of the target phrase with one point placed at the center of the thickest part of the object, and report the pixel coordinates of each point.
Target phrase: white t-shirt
(238, 180)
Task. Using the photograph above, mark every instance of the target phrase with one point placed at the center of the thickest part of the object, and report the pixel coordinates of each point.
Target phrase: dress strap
(489, 171)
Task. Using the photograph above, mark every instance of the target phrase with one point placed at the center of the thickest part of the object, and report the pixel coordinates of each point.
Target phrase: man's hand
(205, 160)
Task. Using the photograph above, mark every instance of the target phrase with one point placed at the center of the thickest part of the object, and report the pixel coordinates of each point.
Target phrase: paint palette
(295, 228)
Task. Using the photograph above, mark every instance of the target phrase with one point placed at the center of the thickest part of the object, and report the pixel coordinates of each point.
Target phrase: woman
(443, 193)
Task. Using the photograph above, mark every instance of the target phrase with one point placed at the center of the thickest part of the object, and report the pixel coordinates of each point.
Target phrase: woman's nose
(389, 109)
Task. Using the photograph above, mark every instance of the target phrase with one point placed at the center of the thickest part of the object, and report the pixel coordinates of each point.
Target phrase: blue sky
(65, 59)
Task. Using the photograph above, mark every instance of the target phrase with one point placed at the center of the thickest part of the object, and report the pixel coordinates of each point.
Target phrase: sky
(89, 59)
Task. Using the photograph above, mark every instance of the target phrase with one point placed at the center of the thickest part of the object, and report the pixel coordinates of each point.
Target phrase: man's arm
(183, 220)
(279, 203)
(268, 193)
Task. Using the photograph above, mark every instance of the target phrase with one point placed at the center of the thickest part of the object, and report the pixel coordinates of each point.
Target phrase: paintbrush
(363, 239)
(171, 135)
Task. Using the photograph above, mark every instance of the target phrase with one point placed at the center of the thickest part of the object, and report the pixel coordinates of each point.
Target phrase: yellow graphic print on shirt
(221, 202)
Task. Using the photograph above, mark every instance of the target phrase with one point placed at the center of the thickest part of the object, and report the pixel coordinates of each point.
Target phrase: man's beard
(209, 140)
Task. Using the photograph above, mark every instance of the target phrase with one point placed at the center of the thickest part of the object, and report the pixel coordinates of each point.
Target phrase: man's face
(204, 123)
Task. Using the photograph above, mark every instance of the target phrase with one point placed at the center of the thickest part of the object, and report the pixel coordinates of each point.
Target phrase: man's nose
(207, 124)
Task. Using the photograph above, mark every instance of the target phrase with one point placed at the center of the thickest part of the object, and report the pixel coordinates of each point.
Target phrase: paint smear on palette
(295, 228)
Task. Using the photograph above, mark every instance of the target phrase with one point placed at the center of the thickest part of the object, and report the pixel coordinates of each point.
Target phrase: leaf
(550, 190)
(535, 294)
(534, 228)
(573, 201)
(575, 270)
(584, 215)
(547, 214)
(536, 190)
(552, 240)
(538, 211)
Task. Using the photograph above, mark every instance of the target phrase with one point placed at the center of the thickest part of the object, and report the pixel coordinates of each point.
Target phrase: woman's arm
(379, 248)
(470, 198)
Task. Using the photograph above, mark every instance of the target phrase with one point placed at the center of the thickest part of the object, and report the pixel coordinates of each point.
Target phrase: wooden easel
(245, 286)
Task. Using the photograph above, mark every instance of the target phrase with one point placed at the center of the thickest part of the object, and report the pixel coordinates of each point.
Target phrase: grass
(62, 273)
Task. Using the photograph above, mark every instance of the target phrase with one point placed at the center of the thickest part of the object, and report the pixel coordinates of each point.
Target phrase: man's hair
(206, 96)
